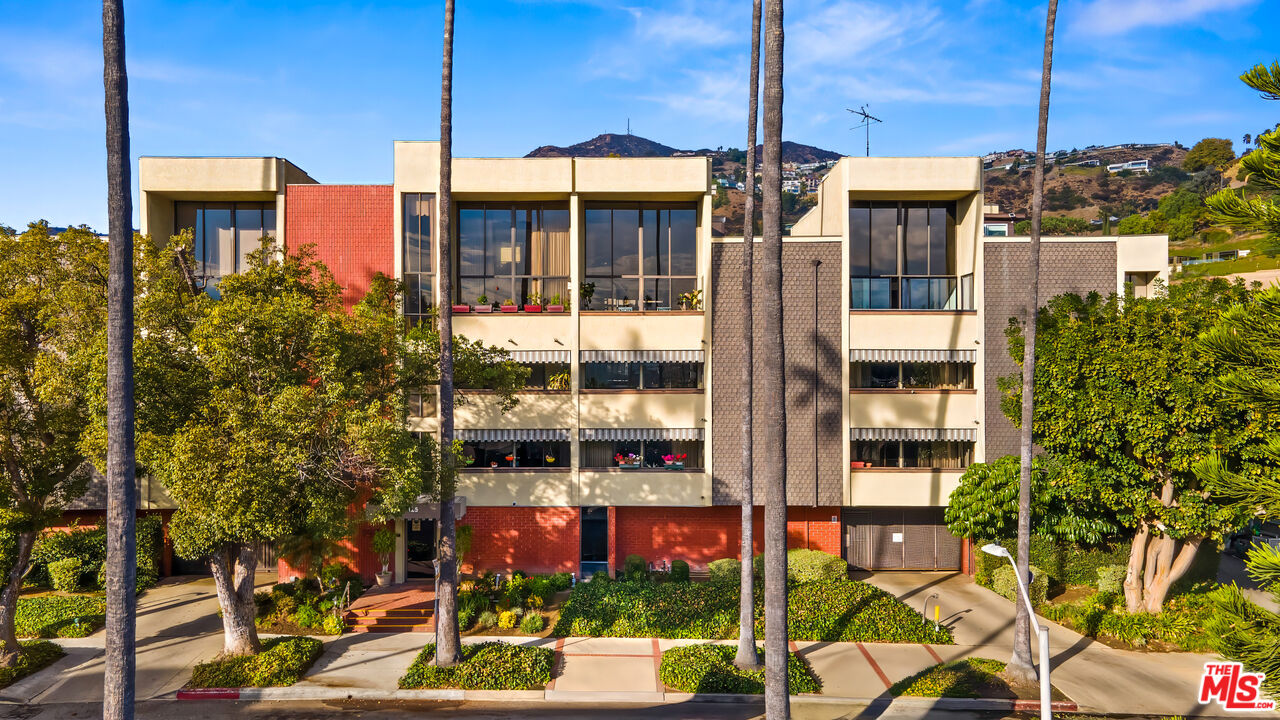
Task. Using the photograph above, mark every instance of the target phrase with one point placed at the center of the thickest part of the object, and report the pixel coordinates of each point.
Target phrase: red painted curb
(209, 694)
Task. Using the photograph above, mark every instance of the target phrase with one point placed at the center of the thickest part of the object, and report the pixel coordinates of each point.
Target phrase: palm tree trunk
(448, 641)
(1020, 666)
(118, 683)
(747, 658)
(773, 433)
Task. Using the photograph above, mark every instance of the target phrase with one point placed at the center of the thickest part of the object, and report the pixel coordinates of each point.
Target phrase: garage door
(899, 539)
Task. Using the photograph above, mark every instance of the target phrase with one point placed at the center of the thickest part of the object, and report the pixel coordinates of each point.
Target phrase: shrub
(283, 661)
(466, 618)
(473, 602)
(487, 619)
(307, 616)
(1111, 578)
(710, 669)
(532, 623)
(35, 655)
(89, 545)
(333, 625)
(600, 576)
(725, 570)
(808, 565)
(679, 571)
(956, 679)
(560, 581)
(1004, 583)
(64, 574)
(507, 620)
(484, 666)
(1102, 615)
(634, 567)
(55, 616)
(541, 588)
(844, 610)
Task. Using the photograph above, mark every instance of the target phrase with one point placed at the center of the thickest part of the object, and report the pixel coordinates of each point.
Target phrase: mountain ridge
(621, 145)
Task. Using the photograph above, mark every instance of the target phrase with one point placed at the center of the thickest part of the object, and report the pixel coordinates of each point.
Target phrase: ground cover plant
(484, 666)
(514, 606)
(830, 609)
(299, 607)
(282, 662)
(975, 677)
(59, 616)
(1102, 616)
(710, 669)
(35, 655)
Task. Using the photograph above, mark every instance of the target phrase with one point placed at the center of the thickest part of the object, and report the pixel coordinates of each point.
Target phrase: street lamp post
(1046, 710)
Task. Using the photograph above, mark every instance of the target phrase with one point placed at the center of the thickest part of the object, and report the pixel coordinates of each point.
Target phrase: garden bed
(484, 666)
(970, 678)
(522, 605)
(59, 616)
(1101, 616)
(282, 662)
(825, 610)
(710, 669)
(299, 608)
(36, 655)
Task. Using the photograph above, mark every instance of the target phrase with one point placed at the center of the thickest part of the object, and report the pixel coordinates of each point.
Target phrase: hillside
(608, 144)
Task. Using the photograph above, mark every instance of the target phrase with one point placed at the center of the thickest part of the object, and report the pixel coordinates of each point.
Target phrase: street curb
(582, 696)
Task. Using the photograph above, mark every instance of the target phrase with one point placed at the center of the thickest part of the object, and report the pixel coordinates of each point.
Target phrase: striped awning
(659, 356)
(928, 356)
(515, 435)
(541, 356)
(641, 433)
(935, 434)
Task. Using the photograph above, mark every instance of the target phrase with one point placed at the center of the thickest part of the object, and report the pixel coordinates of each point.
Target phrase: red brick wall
(533, 539)
(700, 535)
(351, 226)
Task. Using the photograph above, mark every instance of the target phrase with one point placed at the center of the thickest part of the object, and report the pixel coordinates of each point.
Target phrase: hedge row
(59, 616)
(710, 669)
(36, 655)
(830, 610)
(484, 666)
(87, 547)
(955, 679)
(282, 662)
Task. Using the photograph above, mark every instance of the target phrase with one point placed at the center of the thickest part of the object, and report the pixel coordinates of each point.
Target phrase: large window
(509, 455)
(603, 453)
(923, 375)
(903, 256)
(641, 375)
(225, 233)
(512, 251)
(542, 376)
(639, 256)
(943, 455)
(419, 257)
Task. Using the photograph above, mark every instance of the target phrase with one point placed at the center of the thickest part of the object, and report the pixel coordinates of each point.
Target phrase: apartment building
(627, 308)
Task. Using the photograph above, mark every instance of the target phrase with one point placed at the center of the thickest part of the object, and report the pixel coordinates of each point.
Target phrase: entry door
(595, 541)
(858, 546)
(420, 548)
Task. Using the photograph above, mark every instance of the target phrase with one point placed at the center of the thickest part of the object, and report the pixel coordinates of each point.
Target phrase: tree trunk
(233, 567)
(1133, 572)
(1020, 666)
(118, 681)
(10, 649)
(747, 658)
(773, 434)
(448, 640)
(1170, 572)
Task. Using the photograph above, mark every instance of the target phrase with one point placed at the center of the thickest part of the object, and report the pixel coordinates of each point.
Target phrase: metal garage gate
(899, 539)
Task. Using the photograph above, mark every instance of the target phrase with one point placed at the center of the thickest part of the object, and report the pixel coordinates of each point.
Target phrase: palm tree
(118, 684)
(773, 433)
(448, 641)
(1020, 666)
(747, 657)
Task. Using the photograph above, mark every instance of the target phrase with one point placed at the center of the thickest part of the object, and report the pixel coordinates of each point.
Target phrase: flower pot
(510, 308)
(383, 578)
(675, 466)
(484, 308)
(533, 308)
(461, 308)
(555, 308)
(628, 466)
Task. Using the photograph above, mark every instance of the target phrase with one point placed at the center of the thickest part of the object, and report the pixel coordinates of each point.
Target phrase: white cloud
(1116, 17)
(710, 95)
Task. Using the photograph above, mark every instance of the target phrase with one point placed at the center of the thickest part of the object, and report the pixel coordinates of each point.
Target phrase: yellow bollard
(937, 613)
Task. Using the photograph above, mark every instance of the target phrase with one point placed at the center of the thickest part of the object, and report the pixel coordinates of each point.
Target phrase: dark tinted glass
(684, 241)
(884, 240)
(915, 240)
(859, 241)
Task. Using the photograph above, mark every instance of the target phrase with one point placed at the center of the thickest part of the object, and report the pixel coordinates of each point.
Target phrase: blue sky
(329, 85)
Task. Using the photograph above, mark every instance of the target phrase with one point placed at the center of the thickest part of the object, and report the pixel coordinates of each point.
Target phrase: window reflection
(224, 234)
(639, 257)
(903, 256)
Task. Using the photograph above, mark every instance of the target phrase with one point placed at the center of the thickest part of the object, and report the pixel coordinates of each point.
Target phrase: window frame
(639, 280)
(872, 287)
(527, 282)
(417, 302)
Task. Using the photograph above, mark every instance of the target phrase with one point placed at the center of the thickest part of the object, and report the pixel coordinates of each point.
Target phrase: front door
(420, 548)
(595, 541)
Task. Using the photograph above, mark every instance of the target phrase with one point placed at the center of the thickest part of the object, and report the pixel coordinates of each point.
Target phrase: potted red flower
(674, 461)
(462, 308)
(629, 461)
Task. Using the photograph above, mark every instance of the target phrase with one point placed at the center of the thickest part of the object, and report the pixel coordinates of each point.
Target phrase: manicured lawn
(36, 655)
(282, 662)
(710, 669)
(59, 616)
(484, 666)
(831, 610)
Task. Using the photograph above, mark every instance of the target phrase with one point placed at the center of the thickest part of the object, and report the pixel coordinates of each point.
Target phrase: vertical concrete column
(704, 282)
(845, 399)
(402, 549)
(577, 225)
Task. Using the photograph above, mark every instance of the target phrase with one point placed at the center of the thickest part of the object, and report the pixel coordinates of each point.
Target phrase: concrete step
(392, 612)
(392, 627)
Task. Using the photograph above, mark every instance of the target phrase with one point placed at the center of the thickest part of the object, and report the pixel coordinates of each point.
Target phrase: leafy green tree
(1054, 225)
(52, 311)
(1131, 394)
(1260, 212)
(1246, 343)
(1209, 154)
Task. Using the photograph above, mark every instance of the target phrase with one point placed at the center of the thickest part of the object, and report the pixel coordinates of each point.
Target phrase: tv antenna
(867, 120)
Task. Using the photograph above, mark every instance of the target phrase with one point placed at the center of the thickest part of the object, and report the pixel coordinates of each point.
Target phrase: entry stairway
(407, 607)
